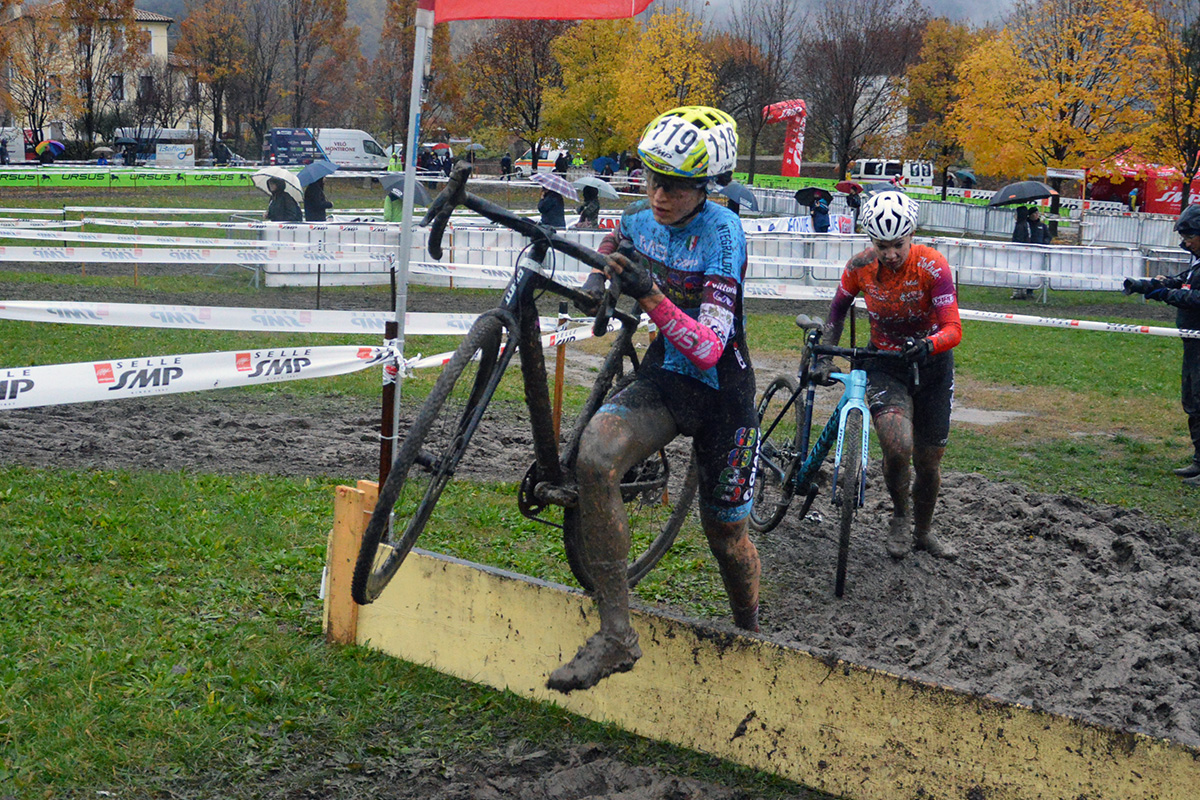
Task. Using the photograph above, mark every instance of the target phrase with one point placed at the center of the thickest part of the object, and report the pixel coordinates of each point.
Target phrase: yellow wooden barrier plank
(844, 729)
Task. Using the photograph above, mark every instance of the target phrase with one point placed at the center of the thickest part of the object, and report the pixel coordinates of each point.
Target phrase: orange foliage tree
(105, 42)
(1064, 84)
(213, 48)
(1176, 132)
(319, 46)
(390, 74)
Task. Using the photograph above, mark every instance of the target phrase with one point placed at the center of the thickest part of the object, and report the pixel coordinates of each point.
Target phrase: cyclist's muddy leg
(618, 437)
(896, 441)
(927, 481)
(738, 560)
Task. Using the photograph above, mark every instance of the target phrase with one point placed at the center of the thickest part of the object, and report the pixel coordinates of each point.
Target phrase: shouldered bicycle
(786, 464)
(658, 492)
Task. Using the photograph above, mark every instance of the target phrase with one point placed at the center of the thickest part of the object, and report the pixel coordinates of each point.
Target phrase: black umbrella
(394, 185)
(740, 195)
(809, 195)
(1022, 192)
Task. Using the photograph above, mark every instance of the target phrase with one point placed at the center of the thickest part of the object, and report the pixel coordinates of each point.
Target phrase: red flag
(448, 10)
(794, 112)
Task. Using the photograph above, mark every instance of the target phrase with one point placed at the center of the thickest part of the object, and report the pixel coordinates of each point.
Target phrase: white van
(908, 173)
(351, 148)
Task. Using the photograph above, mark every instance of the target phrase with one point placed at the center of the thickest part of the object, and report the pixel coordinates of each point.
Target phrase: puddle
(978, 416)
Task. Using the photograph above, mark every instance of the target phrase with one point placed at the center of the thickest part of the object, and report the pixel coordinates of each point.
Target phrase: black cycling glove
(822, 370)
(636, 280)
(917, 350)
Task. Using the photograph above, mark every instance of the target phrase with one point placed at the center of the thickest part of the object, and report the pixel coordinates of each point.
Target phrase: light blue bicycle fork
(853, 398)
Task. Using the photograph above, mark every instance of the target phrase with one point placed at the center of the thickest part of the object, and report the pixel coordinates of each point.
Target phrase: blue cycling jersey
(700, 268)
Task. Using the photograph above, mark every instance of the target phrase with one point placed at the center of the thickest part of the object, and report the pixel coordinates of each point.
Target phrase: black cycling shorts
(927, 405)
(723, 425)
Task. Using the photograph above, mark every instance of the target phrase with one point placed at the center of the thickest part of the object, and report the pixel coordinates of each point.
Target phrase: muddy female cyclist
(684, 260)
(910, 299)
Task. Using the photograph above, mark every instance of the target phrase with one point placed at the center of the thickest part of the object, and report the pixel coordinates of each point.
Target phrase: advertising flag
(448, 10)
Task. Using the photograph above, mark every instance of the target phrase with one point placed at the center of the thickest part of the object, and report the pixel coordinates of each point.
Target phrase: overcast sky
(977, 12)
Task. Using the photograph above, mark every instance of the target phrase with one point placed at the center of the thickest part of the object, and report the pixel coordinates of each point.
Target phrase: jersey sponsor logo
(942, 300)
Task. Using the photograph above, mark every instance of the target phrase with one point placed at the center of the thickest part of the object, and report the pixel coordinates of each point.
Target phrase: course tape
(60, 384)
(13, 222)
(224, 318)
(376, 227)
(1078, 324)
(197, 241)
(171, 255)
(552, 339)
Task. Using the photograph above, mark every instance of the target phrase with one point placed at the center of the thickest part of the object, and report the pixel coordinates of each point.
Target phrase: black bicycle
(786, 464)
(658, 493)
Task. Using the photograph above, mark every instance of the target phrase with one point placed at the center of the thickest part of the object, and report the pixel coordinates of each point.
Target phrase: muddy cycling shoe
(899, 540)
(1190, 471)
(601, 656)
(1192, 481)
(931, 544)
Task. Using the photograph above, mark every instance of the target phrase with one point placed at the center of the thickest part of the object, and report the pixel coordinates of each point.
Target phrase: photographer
(1183, 292)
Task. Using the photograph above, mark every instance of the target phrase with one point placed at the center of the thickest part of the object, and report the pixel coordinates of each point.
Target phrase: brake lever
(608, 301)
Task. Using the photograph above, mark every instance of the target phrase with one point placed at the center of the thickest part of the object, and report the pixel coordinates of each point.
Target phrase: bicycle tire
(676, 493)
(673, 503)
(772, 494)
(849, 482)
(447, 419)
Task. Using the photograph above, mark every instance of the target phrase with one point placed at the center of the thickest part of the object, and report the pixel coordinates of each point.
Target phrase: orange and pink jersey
(914, 302)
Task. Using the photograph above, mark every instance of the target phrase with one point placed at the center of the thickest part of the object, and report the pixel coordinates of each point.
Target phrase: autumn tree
(1064, 84)
(933, 85)
(104, 43)
(668, 68)
(6, 33)
(211, 44)
(590, 55)
(35, 50)
(754, 63)
(319, 48)
(390, 74)
(257, 93)
(512, 66)
(1176, 132)
(851, 62)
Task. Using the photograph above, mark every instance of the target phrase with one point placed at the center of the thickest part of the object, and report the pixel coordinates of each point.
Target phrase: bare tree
(756, 62)
(105, 43)
(850, 67)
(513, 64)
(34, 47)
(257, 93)
(318, 41)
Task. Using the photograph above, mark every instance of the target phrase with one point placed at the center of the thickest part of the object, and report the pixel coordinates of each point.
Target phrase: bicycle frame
(853, 398)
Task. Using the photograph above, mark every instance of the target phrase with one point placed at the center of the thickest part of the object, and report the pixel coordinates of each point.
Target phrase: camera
(1137, 286)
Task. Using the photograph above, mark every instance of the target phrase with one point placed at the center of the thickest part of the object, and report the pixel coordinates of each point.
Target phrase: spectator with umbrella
(554, 189)
(285, 192)
(312, 181)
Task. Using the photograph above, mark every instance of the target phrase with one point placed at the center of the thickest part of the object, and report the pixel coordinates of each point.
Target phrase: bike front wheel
(428, 457)
(778, 446)
(658, 495)
(849, 484)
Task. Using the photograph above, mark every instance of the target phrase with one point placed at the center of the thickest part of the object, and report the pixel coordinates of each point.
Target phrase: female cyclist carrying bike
(910, 295)
(684, 260)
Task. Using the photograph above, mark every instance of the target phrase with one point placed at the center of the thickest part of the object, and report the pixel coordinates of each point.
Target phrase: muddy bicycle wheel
(428, 457)
(777, 448)
(849, 485)
(658, 495)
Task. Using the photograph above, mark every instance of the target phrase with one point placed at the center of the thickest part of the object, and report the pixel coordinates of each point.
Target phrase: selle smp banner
(448, 10)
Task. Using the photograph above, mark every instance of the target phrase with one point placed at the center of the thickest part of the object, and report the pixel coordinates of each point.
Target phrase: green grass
(162, 632)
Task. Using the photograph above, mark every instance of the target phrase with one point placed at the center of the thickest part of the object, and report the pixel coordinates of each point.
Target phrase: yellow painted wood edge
(841, 728)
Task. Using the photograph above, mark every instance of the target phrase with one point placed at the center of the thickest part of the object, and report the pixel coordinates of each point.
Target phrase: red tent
(1159, 187)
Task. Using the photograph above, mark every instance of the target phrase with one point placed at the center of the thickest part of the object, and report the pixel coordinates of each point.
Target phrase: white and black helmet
(887, 216)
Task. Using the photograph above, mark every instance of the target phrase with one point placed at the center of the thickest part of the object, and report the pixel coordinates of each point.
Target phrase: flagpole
(424, 33)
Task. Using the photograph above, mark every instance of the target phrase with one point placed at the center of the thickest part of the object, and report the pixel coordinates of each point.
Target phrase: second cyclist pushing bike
(684, 259)
(910, 295)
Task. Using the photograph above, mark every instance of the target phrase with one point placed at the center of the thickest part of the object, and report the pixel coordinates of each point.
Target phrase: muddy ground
(1055, 603)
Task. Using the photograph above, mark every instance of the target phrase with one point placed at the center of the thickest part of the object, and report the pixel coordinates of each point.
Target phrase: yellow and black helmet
(690, 142)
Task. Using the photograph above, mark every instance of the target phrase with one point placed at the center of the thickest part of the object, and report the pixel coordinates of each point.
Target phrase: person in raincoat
(282, 208)
(552, 209)
(589, 210)
(315, 203)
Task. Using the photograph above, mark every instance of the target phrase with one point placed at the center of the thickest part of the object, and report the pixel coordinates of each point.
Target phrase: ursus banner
(794, 113)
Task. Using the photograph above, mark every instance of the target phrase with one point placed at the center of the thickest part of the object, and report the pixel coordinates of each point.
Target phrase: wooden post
(349, 522)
